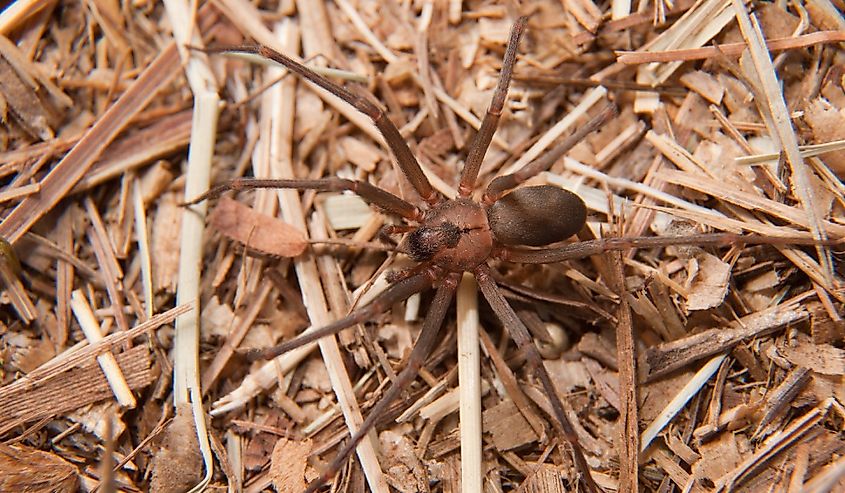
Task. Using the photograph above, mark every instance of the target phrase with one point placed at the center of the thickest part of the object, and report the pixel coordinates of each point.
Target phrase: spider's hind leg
(397, 292)
(422, 348)
(519, 333)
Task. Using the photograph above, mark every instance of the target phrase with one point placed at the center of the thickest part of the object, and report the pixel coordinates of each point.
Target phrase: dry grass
(686, 369)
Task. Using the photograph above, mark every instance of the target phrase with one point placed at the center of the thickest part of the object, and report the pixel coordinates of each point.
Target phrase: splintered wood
(689, 368)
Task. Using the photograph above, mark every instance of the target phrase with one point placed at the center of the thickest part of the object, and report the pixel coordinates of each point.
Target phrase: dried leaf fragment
(710, 284)
(255, 230)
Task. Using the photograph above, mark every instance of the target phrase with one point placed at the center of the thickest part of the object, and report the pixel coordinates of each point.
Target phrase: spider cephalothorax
(455, 235)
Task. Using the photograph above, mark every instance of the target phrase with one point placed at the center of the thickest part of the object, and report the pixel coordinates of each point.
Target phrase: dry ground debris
(692, 368)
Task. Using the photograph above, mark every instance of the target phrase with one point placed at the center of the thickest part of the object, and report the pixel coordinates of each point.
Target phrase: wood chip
(288, 463)
(28, 469)
(820, 358)
(709, 283)
(507, 427)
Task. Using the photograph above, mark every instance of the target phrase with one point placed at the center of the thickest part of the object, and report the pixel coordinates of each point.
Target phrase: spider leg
(424, 345)
(520, 335)
(367, 191)
(592, 247)
(394, 294)
(404, 157)
(479, 145)
(503, 184)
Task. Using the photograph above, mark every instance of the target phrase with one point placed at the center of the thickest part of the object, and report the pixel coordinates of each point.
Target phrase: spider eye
(536, 216)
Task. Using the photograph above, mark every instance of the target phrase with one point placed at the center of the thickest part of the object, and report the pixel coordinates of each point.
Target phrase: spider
(448, 237)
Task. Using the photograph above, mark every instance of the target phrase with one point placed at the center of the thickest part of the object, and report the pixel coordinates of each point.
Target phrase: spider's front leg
(404, 157)
(367, 191)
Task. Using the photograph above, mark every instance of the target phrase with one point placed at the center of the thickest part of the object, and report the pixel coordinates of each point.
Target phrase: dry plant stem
(422, 347)
(730, 49)
(404, 157)
(783, 130)
(141, 232)
(74, 165)
(88, 323)
(519, 333)
(15, 290)
(491, 120)
(186, 375)
(109, 267)
(626, 358)
(469, 383)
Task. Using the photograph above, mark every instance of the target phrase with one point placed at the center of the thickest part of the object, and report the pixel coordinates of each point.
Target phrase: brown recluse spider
(449, 237)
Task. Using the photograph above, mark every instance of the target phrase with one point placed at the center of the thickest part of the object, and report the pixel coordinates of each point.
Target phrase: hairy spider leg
(481, 143)
(505, 183)
(519, 334)
(397, 292)
(583, 249)
(367, 191)
(422, 348)
(404, 157)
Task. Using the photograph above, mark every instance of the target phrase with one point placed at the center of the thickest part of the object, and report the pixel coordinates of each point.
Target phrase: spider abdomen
(536, 216)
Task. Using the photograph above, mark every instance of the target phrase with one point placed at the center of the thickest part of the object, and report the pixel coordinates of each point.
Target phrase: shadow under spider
(449, 237)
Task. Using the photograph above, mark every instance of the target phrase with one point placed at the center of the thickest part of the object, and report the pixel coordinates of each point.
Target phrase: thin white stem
(680, 400)
(141, 233)
(108, 363)
(469, 382)
(186, 375)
